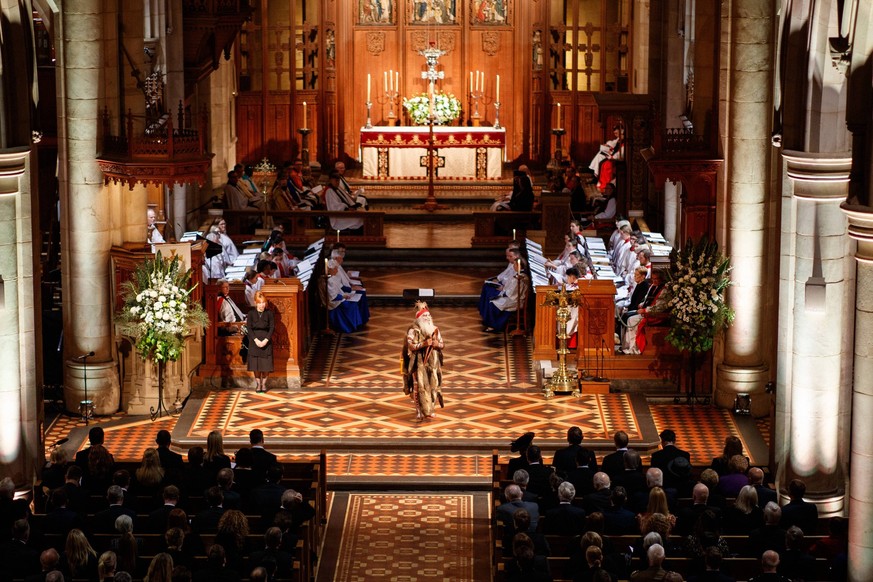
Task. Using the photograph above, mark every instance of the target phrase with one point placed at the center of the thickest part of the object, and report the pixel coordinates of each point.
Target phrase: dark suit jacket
(802, 514)
(662, 458)
(564, 520)
(170, 460)
(619, 521)
(20, 560)
(206, 521)
(686, 518)
(504, 512)
(613, 464)
(769, 537)
(261, 460)
(61, 521)
(283, 560)
(564, 460)
(765, 495)
(539, 479)
(215, 575)
(104, 521)
(516, 463)
(265, 500)
(639, 293)
(597, 501)
(582, 479)
(632, 481)
(157, 520)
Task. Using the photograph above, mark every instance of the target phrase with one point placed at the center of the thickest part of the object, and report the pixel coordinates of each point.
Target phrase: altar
(462, 153)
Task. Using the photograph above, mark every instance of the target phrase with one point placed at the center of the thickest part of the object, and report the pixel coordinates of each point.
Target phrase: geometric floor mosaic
(709, 426)
(424, 537)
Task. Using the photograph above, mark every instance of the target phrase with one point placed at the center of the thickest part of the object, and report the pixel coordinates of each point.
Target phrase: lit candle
(513, 234)
(386, 81)
(368, 87)
(497, 93)
(397, 81)
(559, 116)
(337, 235)
(325, 266)
(304, 114)
(518, 265)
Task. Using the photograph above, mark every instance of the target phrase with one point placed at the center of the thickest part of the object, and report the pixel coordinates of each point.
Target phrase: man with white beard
(422, 362)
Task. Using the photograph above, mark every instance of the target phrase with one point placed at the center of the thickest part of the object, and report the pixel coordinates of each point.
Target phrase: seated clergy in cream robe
(493, 286)
(335, 200)
(497, 311)
(345, 313)
(228, 311)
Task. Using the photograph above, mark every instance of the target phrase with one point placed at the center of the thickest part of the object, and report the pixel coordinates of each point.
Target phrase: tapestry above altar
(462, 153)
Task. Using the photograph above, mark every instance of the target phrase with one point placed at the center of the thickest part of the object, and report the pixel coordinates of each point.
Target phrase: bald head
(769, 561)
(700, 494)
(656, 555)
(513, 492)
(756, 476)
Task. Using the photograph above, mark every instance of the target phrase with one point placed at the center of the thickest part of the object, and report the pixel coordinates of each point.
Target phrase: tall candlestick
(304, 114)
(386, 80)
(368, 87)
(497, 89)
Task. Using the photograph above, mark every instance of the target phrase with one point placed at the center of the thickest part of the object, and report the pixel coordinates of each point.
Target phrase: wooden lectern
(596, 320)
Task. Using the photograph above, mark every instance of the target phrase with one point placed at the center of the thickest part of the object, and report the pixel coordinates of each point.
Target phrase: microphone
(88, 355)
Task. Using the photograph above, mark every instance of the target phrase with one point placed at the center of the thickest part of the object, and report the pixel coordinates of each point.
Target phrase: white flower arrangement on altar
(158, 309)
(699, 277)
(446, 108)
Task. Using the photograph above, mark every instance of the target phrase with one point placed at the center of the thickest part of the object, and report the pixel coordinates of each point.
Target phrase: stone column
(85, 219)
(747, 143)
(861, 456)
(19, 416)
(815, 328)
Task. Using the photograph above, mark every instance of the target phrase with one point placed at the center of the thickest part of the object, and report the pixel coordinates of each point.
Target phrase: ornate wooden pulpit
(596, 321)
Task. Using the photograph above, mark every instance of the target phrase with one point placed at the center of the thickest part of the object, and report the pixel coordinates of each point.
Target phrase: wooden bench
(299, 224)
(494, 228)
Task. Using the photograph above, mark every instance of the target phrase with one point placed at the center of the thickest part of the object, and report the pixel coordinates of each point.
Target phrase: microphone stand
(86, 404)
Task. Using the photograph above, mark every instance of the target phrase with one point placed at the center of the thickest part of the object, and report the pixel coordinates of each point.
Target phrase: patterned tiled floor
(424, 537)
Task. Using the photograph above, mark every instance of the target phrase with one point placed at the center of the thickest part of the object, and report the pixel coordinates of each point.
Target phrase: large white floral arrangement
(158, 309)
(446, 108)
(699, 277)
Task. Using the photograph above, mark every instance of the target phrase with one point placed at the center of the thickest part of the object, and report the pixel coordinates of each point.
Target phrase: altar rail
(494, 228)
(298, 222)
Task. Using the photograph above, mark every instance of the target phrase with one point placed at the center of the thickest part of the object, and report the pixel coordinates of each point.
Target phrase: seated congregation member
(346, 313)
(337, 200)
(213, 267)
(632, 478)
(494, 285)
(230, 250)
(504, 512)
(526, 565)
(730, 484)
(565, 519)
(732, 446)
(652, 309)
(227, 309)
(618, 520)
(154, 233)
(521, 198)
(798, 511)
(520, 446)
(744, 515)
(564, 460)
(498, 311)
(637, 293)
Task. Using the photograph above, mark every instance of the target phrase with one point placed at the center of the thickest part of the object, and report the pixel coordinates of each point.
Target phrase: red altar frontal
(463, 153)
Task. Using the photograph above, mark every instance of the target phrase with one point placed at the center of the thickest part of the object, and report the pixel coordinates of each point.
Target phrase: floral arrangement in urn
(446, 108)
(158, 309)
(699, 277)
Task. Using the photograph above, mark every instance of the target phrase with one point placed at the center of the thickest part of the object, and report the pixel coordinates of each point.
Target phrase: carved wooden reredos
(321, 51)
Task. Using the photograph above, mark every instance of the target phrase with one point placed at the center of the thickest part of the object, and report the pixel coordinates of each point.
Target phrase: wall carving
(420, 40)
(490, 43)
(375, 43)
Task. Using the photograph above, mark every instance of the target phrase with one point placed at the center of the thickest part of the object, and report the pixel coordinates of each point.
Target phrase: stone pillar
(861, 456)
(20, 436)
(85, 219)
(671, 212)
(747, 143)
(815, 328)
(179, 204)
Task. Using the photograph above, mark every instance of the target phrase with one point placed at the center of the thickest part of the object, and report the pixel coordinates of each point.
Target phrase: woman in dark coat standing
(261, 324)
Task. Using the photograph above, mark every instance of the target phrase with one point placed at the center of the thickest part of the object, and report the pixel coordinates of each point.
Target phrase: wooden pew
(298, 222)
(494, 228)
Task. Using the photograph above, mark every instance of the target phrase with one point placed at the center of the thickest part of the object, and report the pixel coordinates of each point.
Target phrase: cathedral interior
(746, 121)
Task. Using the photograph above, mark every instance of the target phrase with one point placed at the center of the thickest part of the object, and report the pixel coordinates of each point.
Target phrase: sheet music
(191, 236)
(354, 298)
(425, 293)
